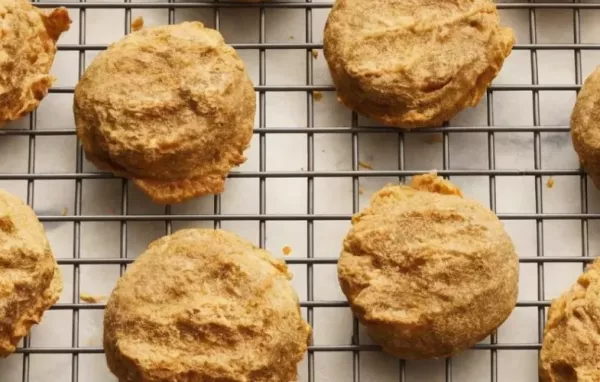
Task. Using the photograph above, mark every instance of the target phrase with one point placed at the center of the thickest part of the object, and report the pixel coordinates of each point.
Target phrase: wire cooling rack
(311, 166)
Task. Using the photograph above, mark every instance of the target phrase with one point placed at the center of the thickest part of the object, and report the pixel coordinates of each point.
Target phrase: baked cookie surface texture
(205, 305)
(27, 47)
(572, 336)
(428, 272)
(585, 126)
(170, 107)
(30, 280)
(414, 63)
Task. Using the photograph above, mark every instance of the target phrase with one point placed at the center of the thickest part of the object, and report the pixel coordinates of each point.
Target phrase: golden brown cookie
(414, 63)
(27, 47)
(585, 129)
(204, 305)
(570, 349)
(30, 280)
(171, 107)
(428, 272)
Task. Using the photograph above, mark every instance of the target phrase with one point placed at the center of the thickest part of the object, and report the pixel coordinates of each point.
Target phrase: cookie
(414, 63)
(30, 280)
(27, 47)
(204, 305)
(570, 348)
(428, 272)
(585, 130)
(170, 107)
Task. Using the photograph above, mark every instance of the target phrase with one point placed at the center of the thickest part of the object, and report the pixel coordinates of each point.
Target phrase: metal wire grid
(310, 174)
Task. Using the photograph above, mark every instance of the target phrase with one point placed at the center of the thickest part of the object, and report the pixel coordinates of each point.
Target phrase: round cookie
(27, 47)
(414, 63)
(428, 272)
(570, 349)
(171, 107)
(30, 280)
(204, 305)
(585, 130)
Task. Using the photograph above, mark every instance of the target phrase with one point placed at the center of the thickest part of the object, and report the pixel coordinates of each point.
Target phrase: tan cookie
(414, 63)
(428, 272)
(585, 129)
(204, 305)
(171, 107)
(30, 281)
(572, 335)
(27, 47)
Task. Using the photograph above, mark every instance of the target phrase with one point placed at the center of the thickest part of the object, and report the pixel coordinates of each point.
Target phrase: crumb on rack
(286, 250)
(315, 53)
(434, 138)
(91, 299)
(317, 95)
(364, 164)
(65, 211)
(291, 38)
(137, 24)
(361, 190)
(550, 182)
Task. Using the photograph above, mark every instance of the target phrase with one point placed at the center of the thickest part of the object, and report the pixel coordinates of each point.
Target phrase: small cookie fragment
(426, 271)
(27, 48)
(365, 164)
(570, 348)
(137, 24)
(204, 305)
(91, 299)
(550, 182)
(30, 280)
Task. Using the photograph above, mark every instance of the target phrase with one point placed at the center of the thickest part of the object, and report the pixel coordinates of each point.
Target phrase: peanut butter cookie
(170, 107)
(204, 305)
(27, 47)
(414, 63)
(585, 129)
(428, 272)
(570, 349)
(30, 281)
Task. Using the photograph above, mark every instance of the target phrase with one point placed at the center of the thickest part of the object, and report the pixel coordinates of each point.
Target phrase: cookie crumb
(65, 211)
(91, 299)
(137, 24)
(317, 95)
(366, 165)
(434, 138)
(286, 250)
(291, 38)
(361, 190)
(550, 182)
(315, 53)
